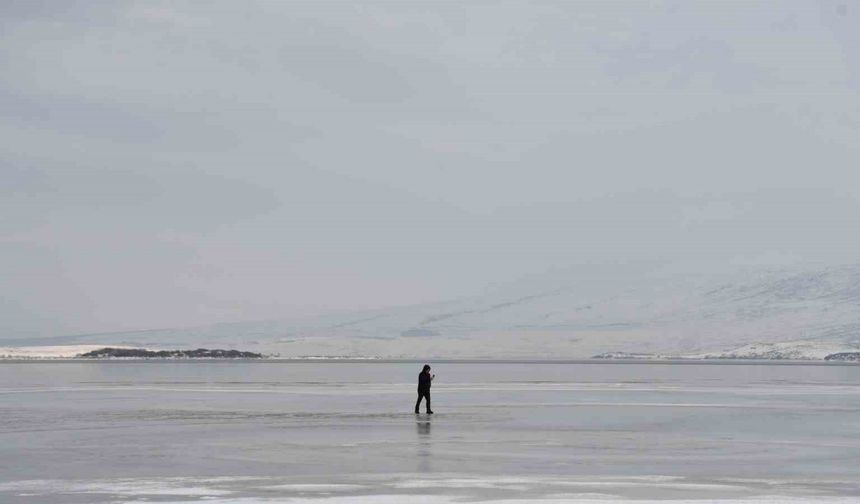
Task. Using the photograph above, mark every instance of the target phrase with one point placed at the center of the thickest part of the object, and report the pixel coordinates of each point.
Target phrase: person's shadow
(425, 446)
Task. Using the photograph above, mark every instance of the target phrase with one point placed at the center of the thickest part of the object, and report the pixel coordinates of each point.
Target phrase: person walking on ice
(424, 381)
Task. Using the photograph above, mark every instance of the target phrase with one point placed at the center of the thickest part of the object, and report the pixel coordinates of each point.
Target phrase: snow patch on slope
(48, 352)
(570, 314)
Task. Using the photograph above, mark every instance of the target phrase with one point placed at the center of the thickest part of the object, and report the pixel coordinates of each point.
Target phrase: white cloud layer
(180, 163)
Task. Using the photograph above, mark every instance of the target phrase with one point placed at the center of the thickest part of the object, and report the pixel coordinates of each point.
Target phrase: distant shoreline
(284, 360)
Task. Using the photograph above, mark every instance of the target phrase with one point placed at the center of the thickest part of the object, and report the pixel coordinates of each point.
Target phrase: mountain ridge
(794, 313)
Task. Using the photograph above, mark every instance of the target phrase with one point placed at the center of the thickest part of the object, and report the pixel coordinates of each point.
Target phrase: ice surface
(93, 432)
(573, 498)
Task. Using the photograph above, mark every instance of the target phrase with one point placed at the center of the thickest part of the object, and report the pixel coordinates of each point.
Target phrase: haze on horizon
(170, 164)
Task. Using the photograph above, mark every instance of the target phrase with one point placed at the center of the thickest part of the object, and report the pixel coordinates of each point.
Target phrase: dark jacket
(424, 381)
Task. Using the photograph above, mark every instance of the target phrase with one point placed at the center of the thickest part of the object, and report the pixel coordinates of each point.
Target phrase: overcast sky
(182, 163)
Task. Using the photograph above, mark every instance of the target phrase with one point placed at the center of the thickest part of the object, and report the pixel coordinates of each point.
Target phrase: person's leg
(427, 396)
(418, 403)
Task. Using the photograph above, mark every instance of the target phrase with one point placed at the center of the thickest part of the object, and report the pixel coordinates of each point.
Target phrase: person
(424, 380)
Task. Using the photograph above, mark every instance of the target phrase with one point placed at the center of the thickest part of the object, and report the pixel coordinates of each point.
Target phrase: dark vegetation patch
(142, 353)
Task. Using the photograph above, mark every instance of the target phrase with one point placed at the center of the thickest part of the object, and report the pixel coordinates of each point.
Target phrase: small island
(142, 353)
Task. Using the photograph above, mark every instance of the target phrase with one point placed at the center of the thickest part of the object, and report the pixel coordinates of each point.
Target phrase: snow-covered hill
(797, 314)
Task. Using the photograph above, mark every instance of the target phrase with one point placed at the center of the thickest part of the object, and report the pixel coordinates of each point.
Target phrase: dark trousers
(423, 394)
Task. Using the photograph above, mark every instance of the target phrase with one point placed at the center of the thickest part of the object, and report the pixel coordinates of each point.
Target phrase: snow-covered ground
(47, 352)
(790, 313)
(788, 350)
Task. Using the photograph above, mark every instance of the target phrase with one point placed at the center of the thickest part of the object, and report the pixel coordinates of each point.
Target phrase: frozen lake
(326, 432)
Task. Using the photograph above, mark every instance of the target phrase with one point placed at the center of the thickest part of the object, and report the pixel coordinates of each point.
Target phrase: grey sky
(171, 164)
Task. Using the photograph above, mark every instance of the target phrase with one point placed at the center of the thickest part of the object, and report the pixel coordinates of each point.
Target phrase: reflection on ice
(425, 447)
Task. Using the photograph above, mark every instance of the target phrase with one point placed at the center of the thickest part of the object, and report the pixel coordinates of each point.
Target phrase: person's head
(426, 368)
